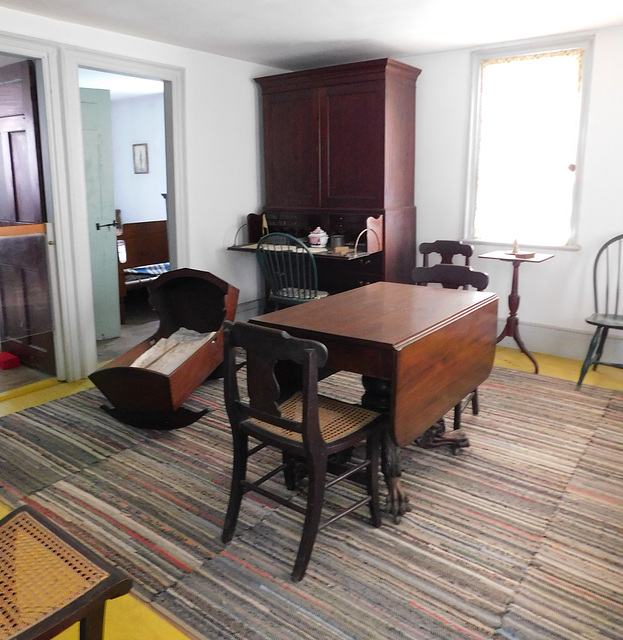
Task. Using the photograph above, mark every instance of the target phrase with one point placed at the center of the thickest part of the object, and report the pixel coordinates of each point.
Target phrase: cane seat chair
(454, 276)
(305, 427)
(607, 294)
(49, 580)
(447, 250)
(289, 269)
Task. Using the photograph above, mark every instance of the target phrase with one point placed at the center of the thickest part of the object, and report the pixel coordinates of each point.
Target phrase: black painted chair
(289, 268)
(306, 427)
(453, 276)
(607, 291)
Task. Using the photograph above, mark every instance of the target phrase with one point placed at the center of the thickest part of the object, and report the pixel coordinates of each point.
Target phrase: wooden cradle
(184, 298)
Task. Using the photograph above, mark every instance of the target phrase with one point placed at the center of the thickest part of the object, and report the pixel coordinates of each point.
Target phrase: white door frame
(69, 257)
(57, 192)
(71, 60)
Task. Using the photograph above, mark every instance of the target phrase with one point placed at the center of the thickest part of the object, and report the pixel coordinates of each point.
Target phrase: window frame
(526, 48)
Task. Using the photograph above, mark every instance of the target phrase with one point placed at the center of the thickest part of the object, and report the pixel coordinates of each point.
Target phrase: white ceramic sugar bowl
(318, 238)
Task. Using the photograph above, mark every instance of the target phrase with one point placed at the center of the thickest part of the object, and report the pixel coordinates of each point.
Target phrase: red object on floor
(8, 360)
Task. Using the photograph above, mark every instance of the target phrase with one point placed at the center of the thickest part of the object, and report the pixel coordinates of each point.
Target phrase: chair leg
(236, 492)
(458, 408)
(92, 625)
(589, 354)
(315, 497)
(600, 347)
(457, 416)
(475, 405)
(373, 445)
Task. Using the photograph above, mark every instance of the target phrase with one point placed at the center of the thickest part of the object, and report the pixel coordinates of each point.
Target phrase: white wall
(222, 136)
(556, 295)
(224, 177)
(139, 120)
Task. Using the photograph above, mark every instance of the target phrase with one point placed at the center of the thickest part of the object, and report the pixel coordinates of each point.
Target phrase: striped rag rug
(519, 536)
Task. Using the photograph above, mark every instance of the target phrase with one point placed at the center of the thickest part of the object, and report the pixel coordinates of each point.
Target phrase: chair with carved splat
(447, 251)
(306, 427)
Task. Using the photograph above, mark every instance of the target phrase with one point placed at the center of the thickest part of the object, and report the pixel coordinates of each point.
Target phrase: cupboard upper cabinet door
(292, 149)
(21, 185)
(353, 141)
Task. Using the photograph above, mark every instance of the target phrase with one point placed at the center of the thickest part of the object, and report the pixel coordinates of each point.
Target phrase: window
(525, 142)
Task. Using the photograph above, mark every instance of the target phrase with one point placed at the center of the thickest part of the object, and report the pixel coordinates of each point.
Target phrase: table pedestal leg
(377, 398)
(511, 329)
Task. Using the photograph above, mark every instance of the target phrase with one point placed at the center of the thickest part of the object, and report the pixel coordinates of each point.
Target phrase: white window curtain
(527, 126)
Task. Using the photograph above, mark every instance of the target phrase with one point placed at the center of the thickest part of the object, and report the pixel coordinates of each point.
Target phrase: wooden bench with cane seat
(49, 580)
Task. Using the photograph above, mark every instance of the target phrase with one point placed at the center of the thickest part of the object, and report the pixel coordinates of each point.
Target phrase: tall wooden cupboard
(339, 146)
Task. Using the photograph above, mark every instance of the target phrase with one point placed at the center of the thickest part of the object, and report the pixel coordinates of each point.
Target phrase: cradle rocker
(147, 385)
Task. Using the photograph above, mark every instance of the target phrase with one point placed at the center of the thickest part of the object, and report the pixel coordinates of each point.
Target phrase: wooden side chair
(452, 276)
(289, 268)
(447, 250)
(306, 427)
(49, 580)
(607, 293)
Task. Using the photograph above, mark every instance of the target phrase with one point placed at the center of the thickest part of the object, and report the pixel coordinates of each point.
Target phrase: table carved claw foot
(437, 436)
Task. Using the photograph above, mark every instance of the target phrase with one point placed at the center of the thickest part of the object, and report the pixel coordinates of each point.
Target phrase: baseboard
(250, 309)
(564, 343)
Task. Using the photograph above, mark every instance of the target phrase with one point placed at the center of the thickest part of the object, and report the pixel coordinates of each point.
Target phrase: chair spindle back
(608, 277)
(289, 268)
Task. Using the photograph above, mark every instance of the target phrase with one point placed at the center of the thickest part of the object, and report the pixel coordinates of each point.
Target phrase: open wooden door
(25, 304)
(98, 171)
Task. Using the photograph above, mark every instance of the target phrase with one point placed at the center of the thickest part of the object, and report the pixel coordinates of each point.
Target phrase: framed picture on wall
(141, 161)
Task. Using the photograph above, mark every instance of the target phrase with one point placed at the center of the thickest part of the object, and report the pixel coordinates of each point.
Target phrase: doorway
(64, 184)
(26, 328)
(126, 175)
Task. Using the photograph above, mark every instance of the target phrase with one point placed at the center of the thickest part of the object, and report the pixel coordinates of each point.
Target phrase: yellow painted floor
(565, 368)
(127, 618)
